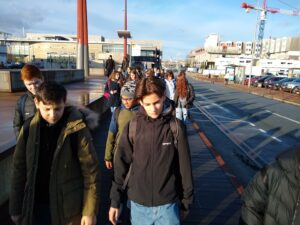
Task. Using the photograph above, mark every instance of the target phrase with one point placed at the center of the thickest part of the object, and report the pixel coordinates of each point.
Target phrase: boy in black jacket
(160, 182)
(25, 108)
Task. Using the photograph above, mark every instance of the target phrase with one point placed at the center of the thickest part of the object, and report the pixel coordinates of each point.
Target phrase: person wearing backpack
(151, 162)
(120, 118)
(25, 108)
(55, 171)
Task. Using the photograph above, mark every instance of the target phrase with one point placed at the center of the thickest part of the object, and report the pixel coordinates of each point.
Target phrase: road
(247, 130)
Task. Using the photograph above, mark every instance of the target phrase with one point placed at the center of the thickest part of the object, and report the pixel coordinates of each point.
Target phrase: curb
(233, 179)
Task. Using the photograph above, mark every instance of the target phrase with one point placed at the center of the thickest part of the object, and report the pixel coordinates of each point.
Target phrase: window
(92, 56)
(112, 48)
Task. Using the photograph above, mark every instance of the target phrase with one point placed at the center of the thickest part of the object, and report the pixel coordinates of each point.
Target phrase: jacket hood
(133, 108)
(289, 161)
(167, 111)
(78, 115)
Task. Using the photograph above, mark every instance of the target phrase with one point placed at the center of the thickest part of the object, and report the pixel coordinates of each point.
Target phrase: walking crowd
(56, 172)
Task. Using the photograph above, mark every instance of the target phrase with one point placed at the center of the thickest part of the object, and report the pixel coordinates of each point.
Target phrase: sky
(181, 25)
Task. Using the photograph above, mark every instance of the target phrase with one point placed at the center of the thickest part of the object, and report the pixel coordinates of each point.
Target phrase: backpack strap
(175, 130)
(22, 105)
(131, 134)
(26, 127)
(132, 129)
(116, 114)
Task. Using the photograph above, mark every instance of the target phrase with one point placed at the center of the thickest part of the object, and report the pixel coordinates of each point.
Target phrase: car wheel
(296, 90)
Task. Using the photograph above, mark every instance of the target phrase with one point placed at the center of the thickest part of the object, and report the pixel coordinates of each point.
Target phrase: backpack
(132, 134)
(106, 93)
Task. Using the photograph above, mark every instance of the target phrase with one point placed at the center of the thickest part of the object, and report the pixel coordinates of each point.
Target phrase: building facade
(279, 55)
(60, 51)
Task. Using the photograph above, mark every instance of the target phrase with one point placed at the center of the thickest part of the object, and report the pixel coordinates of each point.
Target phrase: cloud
(181, 25)
(13, 17)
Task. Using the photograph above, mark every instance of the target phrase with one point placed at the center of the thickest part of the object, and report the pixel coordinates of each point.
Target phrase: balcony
(224, 50)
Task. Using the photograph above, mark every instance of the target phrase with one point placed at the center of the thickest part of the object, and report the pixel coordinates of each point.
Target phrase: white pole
(254, 50)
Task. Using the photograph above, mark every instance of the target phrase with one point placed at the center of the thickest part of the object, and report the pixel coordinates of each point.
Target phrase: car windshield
(284, 80)
(297, 80)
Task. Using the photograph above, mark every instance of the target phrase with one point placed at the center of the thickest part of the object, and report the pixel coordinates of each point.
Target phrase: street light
(125, 34)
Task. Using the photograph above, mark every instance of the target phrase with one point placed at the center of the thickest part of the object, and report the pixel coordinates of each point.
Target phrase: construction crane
(263, 14)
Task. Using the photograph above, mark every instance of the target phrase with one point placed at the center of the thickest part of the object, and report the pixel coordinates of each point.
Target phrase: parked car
(260, 82)
(296, 90)
(292, 86)
(277, 84)
(268, 83)
(252, 79)
(14, 65)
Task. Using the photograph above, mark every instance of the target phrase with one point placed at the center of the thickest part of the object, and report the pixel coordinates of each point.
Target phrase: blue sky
(181, 25)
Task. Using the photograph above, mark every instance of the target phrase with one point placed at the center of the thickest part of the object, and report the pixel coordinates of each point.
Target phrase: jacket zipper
(296, 209)
(35, 167)
(152, 167)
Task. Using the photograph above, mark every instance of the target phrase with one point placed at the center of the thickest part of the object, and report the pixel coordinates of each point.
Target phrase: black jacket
(114, 99)
(23, 111)
(273, 195)
(160, 174)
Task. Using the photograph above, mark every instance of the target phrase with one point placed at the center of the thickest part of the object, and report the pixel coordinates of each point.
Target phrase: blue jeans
(181, 113)
(112, 108)
(167, 214)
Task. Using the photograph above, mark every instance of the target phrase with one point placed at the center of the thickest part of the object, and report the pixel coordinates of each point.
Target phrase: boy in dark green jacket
(55, 178)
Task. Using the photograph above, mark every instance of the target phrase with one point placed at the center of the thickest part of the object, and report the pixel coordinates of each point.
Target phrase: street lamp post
(124, 33)
(253, 52)
(125, 28)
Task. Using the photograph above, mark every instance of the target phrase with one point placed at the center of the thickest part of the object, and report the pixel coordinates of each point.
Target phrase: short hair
(149, 72)
(150, 85)
(51, 92)
(29, 72)
(169, 73)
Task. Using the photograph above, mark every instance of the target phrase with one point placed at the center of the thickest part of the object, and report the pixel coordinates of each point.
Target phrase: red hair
(182, 85)
(29, 72)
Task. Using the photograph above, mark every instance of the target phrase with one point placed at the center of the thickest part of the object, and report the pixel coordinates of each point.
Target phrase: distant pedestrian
(125, 64)
(109, 66)
(114, 90)
(184, 96)
(149, 73)
(273, 195)
(133, 76)
(119, 119)
(170, 85)
(226, 78)
(160, 179)
(25, 107)
(55, 171)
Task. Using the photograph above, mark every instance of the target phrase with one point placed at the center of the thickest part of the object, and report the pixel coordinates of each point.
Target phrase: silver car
(292, 86)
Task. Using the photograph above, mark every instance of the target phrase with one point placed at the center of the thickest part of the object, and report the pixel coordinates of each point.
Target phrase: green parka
(273, 196)
(74, 181)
